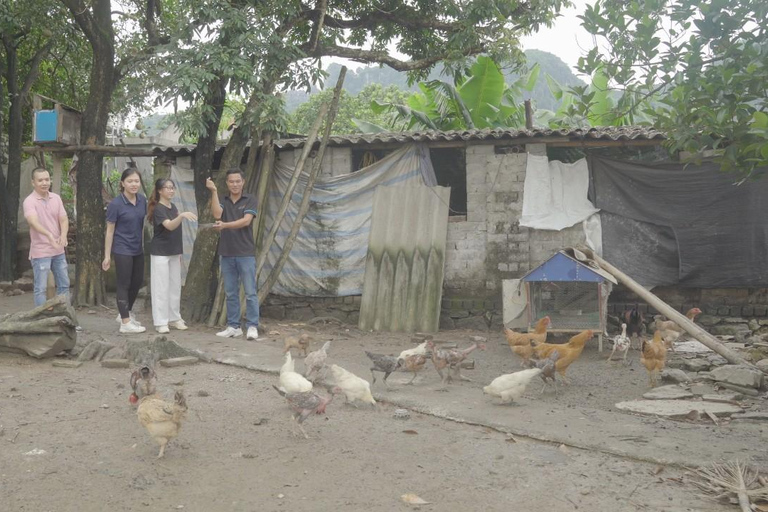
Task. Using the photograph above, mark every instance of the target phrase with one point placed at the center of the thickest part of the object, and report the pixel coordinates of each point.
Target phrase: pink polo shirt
(48, 212)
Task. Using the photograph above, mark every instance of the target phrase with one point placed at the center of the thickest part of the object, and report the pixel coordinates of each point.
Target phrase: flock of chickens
(163, 419)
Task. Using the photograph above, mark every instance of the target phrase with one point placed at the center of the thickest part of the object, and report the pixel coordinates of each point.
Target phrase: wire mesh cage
(569, 305)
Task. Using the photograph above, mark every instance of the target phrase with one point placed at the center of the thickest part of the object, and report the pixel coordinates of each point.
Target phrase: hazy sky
(566, 39)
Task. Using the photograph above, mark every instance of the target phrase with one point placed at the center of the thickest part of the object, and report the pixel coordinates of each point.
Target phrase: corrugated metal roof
(609, 133)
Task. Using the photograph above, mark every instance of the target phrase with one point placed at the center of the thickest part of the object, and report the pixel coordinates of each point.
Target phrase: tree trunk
(89, 280)
(199, 289)
(9, 186)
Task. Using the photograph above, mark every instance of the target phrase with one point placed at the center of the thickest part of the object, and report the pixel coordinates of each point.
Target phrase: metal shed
(570, 293)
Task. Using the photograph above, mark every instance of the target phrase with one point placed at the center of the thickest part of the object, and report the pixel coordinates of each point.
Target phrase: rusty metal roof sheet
(608, 133)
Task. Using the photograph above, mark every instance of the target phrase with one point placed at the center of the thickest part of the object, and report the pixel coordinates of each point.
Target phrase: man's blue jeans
(238, 270)
(58, 265)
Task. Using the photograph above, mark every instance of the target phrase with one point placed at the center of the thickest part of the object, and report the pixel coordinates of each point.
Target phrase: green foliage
(703, 64)
(351, 108)
(480, 100)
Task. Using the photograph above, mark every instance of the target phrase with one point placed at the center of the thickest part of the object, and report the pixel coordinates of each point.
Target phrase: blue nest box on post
(58, 126)
(570, 293)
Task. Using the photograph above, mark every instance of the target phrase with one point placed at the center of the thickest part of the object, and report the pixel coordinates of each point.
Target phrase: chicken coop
(571, 293)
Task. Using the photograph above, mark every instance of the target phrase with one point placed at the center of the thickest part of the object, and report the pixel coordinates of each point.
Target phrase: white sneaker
(179, 324)
(131, 328)
(253, 333)
(230, 332)
(162, 329)
(119, 319)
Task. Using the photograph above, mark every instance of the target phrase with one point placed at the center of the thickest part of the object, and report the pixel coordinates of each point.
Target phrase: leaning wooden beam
(691, 328)
(311, 136)
(304, 206)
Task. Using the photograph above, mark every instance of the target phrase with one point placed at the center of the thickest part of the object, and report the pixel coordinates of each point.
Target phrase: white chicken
(353, 387)
(511, 386)
(621, 344)
(290, 381)
(421, 350)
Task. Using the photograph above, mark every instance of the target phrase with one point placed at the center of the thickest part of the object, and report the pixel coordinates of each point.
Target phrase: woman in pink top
(48, 228)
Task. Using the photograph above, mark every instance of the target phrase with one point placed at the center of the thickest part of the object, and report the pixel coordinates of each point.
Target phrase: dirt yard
(70, 440)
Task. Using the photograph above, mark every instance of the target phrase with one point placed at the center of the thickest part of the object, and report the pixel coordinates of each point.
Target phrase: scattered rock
(717, 360)
(478, 339)
(671, 392)
(723, 397)
(696, 365)
(115, 363)
(753, 325)
(740, 389)
(739, 375)
(179, 361)
(401, 414)
(26, 284)
(677, 409)
(753, 416)
(762, 365)
(65, 363)
(728, 329)
(674, 375)
(203, 393)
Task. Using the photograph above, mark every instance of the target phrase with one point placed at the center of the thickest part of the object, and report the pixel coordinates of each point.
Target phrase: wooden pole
(691, 328)
(304, 207)
(528, 115)
(311, 137)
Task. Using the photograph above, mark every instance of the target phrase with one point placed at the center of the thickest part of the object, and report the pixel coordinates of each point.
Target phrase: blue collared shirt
(128, 219)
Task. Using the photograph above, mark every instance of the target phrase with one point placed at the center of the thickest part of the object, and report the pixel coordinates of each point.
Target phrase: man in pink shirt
(48, 227)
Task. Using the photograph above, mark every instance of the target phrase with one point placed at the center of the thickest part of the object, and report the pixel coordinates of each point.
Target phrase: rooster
(520, 342)
(384, 364)
(511, 386)
(569, 352)
(304, 404)
(635, 322)
(452, 359)
(548, 367)
(621, 343)
(413, 363)
(290, 381)
(143, 383)
(654, 357)
(315, 361)
(162, 419)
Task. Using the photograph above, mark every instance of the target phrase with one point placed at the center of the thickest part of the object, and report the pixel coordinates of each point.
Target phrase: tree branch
(83, 18)
(34, 68)
(322, 6)
(412, 20)
(382, 57)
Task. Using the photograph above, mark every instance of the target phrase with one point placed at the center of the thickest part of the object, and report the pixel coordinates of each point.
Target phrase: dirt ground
(70, 441)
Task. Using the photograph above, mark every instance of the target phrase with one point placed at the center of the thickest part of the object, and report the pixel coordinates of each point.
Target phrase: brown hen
(521, 342)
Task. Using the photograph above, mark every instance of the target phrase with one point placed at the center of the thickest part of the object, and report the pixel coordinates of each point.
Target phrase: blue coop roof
(562, 267)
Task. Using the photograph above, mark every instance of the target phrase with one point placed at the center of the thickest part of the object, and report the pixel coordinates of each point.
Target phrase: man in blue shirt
(237, 251)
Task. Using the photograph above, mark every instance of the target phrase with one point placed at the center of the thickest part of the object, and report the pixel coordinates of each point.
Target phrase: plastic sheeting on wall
(555, 194)
(328, 256)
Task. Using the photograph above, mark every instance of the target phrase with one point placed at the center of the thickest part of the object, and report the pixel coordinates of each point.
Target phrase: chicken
(420, 350)
(668, 325)
(353, 387)
(635, 323)
(304, 404)
(302, 343)
(316, 360)
(548, 367)
(621, 343)
(143, 383)
(569, 352)
(511, 386)
(162, 419)
(654, 357)
(452, 359)
(520, 342)
(413, 363)
(290, 381)
(384, 364)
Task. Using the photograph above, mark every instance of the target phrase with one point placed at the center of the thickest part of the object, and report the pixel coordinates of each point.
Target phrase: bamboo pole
(691, 328)
(304, 207)
(311, 137)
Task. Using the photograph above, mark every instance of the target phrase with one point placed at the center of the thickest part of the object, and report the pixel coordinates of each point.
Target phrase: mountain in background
(356, 80)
